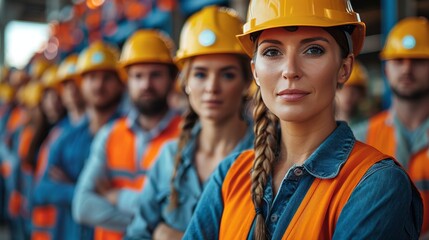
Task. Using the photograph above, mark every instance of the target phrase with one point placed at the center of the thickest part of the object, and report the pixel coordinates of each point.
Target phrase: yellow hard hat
(210, 31)
(408, 39)
(49, 78)
(147, 46)
(30, 95)
(266, 14)
(359, 76)
(6, 92)
(67, 68)
(99, 56)
(4, 72)
(38, 67)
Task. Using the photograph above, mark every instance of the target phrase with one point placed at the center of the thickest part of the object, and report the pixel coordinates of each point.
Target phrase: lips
(213, 102)
(292, 95)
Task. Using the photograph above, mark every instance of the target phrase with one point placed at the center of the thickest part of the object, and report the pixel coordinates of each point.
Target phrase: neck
(76, 114)
(411, 114)
(300, 140)
(219, 139)
(99, 118)
(149, 122)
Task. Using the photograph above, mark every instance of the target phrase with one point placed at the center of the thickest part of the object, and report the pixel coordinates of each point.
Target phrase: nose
(406, 64)
(212, 84)
(291, 68)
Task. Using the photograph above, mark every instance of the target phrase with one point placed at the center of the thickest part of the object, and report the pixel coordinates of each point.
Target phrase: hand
(104, 188)
(58, 175)
(163, 232)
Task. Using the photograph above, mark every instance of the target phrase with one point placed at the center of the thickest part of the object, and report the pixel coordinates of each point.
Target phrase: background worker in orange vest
(65, 83)
(124, 151)
(102, 89)
(403, 130)
(216, 76)
(309, 178)
(351, 97)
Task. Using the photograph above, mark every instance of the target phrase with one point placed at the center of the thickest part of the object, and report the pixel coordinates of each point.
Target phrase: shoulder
(238, 163)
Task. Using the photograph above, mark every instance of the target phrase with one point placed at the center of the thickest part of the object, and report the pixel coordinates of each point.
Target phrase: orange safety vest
(15, 120)
(120, 153)
(44, 217)
(381, 135)
(318, 212)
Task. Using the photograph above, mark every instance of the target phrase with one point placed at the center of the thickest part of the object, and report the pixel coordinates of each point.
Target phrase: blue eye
(200, 75)
(315, 50)
(271, 52)
(228, 75)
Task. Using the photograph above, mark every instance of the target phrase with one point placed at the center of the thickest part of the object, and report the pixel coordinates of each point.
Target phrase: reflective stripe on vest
(120, 153)
(319, 210)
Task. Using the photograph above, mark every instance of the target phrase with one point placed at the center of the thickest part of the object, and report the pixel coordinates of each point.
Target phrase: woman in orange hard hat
(307, 177)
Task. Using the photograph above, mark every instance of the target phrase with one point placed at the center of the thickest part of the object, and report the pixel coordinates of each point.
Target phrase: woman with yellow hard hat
(307, 177)
(215, 76)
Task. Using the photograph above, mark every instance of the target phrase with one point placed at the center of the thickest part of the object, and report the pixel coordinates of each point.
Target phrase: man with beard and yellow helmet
(124, 151)
(403, 130)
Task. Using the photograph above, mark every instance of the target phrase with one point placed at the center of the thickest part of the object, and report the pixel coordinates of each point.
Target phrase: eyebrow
(303, 41)
(222, 69)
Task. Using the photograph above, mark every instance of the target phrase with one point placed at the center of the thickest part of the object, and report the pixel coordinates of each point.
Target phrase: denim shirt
(384, 205)
(69, 153)
(154, 199)
(91, 208)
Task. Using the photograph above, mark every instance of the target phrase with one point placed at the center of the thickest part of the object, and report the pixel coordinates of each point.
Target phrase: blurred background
(56, 28)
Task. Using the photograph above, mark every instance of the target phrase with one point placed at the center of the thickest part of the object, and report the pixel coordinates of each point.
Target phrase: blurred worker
(215, 76)
(403, 130)
(124, 151)
(102, 89)
(26, 141)
(351, 96)
(61, 84)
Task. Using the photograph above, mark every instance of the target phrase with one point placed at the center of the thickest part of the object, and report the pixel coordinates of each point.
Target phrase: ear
(346, 69)
(255, 75)
(187, 90)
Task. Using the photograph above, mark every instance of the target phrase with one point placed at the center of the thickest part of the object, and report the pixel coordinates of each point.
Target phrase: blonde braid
(265, 156)
(190, 117)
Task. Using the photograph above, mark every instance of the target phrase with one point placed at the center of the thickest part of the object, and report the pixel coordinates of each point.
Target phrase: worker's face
(299, 71)
(408, 78)
(149, 85)
(215, 86)
(349, 98)
(101, 89)
(52, 105)
(71, 95)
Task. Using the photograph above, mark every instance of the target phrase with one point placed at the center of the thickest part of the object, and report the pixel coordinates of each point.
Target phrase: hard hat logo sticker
(71, 69)
(408, 42)
(98, 57)
(207, 38)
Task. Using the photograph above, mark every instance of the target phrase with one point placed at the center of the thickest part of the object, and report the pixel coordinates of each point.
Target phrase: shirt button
(274, 217)
(298, 172)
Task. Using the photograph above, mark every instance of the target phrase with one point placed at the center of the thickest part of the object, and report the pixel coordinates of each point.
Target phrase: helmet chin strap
(349, 41)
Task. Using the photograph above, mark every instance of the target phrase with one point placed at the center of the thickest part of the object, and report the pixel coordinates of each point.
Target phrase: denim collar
(331, 155)
(134, 125)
